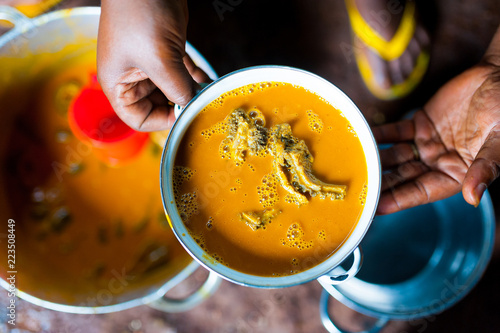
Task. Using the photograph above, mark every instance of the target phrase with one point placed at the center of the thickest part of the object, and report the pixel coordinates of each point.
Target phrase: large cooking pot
(28, 52)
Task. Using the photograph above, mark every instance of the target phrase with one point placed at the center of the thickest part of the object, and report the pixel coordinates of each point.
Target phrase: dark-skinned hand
(142, 65)
(457, 140)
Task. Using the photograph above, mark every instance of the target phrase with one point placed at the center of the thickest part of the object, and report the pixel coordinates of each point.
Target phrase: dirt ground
(309, 35)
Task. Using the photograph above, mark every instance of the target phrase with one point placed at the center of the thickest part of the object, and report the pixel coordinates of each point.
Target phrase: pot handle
(14, 16)
(206, 290)
(333, 328)
(339, 275)
(178, 109)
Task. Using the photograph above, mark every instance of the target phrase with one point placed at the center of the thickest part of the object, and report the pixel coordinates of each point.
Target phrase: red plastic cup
(93, 120)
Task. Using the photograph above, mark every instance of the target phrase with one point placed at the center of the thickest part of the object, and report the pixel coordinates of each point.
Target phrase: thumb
(484, 170)
(173, 79)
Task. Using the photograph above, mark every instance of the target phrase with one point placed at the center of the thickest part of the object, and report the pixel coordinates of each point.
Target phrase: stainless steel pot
(19, 49)
(419, 262)
(328, 271)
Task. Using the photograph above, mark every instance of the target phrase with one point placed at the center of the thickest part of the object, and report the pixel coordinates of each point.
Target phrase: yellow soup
(270, 179)
(86, 233)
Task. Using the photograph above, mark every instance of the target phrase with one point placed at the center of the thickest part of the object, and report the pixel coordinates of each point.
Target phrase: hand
(453, 143)
(141, 61)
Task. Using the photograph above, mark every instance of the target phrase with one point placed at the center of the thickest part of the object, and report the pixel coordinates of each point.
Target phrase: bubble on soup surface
(291, 199)
(200, 240)
(180, 175)
(295, 238)
(225, 148)
(268, 191)
(322, 235)
(187, 205)
(218, 128)
(314, 121)
(362, 195)
(210, 223)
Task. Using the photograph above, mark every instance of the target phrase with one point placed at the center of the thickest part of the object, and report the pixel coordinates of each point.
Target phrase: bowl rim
(258, 74)
(485, 213)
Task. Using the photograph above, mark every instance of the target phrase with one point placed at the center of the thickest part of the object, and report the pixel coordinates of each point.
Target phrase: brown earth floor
(308, 35)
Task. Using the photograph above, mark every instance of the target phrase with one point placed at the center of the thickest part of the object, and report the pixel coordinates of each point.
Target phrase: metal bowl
(329, 270)
(418, 262)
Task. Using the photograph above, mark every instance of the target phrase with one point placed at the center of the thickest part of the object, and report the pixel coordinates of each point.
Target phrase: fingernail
(478, 193)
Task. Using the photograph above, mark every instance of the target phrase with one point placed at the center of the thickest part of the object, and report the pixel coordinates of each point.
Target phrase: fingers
(135, 102)
(429, 187)
(402, 174)
(197, 73)
(398, 154)
(172, 77)
(151, 113)
(484, 170)
(130, 93)
(147, 105)
(420, 183)
(160, 118)
(412, 182)
(162, 114)
(395, 132)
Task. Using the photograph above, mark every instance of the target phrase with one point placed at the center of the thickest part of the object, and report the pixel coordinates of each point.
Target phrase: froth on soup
(270, 179)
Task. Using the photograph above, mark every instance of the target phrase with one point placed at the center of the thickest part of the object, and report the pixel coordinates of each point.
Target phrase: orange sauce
(212, 191)
(86, 233)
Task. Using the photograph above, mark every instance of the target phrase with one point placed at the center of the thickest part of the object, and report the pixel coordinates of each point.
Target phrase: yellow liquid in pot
(86, 233)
